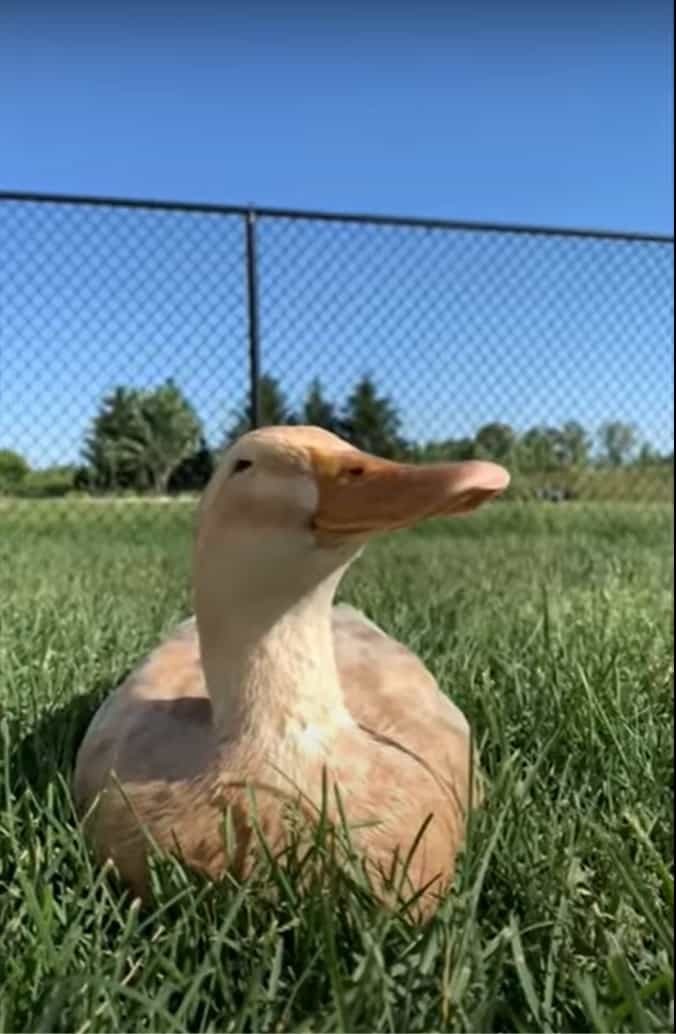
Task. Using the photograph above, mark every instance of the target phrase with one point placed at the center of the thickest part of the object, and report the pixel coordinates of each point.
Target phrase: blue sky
(553, 113)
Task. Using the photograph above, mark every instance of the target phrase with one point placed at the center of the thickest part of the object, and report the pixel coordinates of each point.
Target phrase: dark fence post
(252, 313)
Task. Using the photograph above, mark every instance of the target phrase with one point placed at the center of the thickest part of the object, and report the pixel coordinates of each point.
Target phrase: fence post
(252, 314)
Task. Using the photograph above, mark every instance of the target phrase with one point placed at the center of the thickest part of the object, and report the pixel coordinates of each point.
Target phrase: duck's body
(272, 701)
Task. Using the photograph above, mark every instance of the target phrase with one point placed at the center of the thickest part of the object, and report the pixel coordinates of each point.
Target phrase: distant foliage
(617, 441)
(449, 449)
(13, 470)
(495, 441)
(47, 483)
(152, 441)
(371, 422)
(140, 438)
(575, 444)
(318, 411)
(193, 473)
(273, 409)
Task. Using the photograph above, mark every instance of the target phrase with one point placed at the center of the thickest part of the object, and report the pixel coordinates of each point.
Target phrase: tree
(117, 426)
(318, 411)
(648, 456)
(617, 441)
(140, 437)
(495, 441)
(575, 444)
(273, 409)
(540, 449)
(194, 472)
(174, 432)
(451, 449)
(47, 482)
(371, 422)
(13, 469)
(460, 449)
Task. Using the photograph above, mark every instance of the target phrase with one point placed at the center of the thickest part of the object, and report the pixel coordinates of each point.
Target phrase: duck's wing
(390, 692)
(165, 697)
(146, 763)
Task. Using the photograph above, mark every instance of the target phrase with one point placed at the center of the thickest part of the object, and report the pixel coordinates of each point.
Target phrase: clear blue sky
(554, 113)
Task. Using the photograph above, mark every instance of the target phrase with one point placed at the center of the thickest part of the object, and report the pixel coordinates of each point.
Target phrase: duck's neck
(270, 667)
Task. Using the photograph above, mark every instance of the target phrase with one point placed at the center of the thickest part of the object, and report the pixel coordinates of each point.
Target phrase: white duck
(274, 689)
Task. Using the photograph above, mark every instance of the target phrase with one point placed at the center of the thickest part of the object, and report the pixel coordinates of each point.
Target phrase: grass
(551, 626)
(652, 483)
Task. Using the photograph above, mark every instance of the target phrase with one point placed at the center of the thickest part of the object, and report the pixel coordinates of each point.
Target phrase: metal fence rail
(550, 350)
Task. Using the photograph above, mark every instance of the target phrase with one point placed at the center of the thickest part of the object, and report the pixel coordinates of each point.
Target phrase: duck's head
(289, 506)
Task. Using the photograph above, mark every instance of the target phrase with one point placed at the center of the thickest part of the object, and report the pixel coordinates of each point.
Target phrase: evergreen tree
(193, 473)
(274, 409)
(318, 411)
(370, 421)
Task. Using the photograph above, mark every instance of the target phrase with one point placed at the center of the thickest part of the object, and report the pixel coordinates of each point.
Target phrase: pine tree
(273, 409)
(318, 411)
(371, 422)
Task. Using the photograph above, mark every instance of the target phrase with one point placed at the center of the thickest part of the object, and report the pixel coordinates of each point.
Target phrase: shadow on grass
(51, 745)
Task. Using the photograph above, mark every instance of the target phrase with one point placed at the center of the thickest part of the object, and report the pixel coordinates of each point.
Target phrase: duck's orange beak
(360, 494)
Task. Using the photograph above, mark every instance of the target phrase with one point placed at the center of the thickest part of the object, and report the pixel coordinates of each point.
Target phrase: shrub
(48, 483)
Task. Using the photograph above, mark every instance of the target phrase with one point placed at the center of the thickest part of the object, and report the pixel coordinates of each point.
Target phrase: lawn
(549, 625)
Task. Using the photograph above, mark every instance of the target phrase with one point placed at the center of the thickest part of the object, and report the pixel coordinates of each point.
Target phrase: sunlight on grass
(550, 627)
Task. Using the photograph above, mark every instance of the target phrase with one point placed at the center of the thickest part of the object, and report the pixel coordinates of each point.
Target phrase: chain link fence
(137, 338)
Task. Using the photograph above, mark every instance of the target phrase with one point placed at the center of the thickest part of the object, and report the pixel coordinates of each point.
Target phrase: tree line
(153, 441)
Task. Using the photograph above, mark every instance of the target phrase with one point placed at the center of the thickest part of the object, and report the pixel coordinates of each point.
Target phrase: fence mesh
(125, 347)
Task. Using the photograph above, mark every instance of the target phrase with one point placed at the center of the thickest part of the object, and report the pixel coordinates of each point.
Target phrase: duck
(271, 695)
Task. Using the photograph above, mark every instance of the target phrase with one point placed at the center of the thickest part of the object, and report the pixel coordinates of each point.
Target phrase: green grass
(635, 484)
(551, 627)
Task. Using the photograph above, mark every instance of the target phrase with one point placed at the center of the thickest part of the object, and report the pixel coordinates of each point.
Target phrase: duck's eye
(241, 465)
(355, 472)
